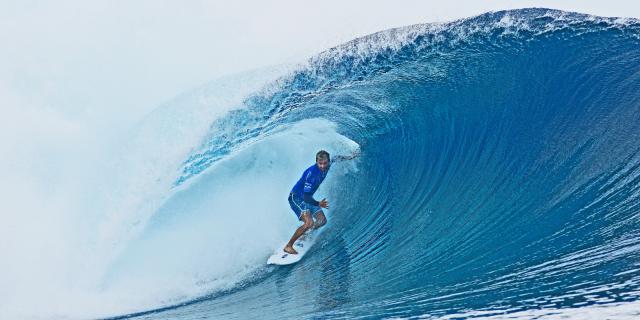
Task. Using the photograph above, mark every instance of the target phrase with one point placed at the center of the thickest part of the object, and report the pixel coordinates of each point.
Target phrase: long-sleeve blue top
(309, 183)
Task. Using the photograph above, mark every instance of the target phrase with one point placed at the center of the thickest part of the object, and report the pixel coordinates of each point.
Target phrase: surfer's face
(323, 164)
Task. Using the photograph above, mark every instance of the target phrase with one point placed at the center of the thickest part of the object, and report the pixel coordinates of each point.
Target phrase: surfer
(301, 196)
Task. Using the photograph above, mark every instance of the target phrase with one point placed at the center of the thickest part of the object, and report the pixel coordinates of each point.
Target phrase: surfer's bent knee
(306, 218)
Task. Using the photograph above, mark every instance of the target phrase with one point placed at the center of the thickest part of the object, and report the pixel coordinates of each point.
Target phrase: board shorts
(299, 206)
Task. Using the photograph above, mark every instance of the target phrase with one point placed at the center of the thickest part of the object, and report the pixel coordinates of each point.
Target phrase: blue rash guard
(308, 184)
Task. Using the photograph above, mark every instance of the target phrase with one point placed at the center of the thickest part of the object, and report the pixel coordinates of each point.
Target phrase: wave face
(499, 174)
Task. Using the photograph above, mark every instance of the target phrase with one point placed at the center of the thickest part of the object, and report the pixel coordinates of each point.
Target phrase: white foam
(220, 227)
(208, 235)
(76, 197)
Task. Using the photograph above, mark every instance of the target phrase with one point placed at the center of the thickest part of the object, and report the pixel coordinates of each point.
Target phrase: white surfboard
(302, 245)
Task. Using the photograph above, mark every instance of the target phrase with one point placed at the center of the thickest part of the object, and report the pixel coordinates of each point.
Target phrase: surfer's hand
(324, 203)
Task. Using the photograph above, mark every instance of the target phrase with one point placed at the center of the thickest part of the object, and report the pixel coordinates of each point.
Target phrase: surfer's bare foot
(290, 249)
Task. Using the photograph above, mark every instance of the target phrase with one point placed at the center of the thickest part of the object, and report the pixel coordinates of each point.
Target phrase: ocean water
(498, 177)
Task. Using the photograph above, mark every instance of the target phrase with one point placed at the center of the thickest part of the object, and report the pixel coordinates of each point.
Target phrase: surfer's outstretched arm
(339, 158)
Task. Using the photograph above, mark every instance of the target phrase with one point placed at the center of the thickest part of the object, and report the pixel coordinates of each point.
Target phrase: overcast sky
(108, 62)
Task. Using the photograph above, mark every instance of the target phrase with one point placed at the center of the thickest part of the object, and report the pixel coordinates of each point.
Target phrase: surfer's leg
(321, 220)
(308, 223)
